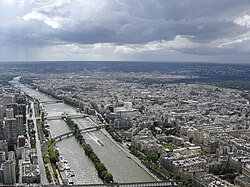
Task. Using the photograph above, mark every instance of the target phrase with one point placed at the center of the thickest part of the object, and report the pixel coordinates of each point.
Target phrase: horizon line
(136, 61)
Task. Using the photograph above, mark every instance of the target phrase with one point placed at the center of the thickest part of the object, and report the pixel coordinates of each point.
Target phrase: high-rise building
(8, 169)
(7, 99)
(9, 113)
(21, 141)
(4, 146)
(11, 131)
(1, 111)
(20, 125)
(21, 110)
(20, 98)
(13, 106)
(18, 109)
(2, 157)
(14, 122)
(2, 130)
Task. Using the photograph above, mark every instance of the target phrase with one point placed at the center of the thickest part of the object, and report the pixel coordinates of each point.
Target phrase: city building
(205, 180)
(7, 170)
(122, 123)
(11, 132)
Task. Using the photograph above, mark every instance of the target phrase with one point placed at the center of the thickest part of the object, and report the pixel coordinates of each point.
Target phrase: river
(123, 168)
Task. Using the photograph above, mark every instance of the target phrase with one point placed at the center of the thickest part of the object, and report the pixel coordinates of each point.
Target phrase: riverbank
(103, 173)
(123, 168)
(125, 150)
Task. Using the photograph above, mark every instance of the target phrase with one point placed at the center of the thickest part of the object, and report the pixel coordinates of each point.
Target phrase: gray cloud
(207, 25)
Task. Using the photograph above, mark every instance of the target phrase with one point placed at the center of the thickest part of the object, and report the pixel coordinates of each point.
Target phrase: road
(44, 180)
(123, 168)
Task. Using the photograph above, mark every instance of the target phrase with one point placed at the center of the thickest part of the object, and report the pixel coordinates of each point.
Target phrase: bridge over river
(52, 102)
(69, 134)
(63, 115)
(122, 167)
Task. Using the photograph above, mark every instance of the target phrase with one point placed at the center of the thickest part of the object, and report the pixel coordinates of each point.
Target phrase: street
(44, 180)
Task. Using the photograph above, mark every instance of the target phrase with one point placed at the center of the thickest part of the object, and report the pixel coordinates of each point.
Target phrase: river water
(122, 167)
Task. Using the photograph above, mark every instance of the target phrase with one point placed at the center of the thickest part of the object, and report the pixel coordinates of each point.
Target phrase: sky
(129, 30)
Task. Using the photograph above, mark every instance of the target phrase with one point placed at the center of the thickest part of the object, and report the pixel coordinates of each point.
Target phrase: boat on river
(98, 141)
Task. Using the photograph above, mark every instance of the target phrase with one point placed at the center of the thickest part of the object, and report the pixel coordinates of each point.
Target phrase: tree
(46, 159)
(101, 167)
(187, 183)
(103, 174)
(108, 178)
(53, 157)
(153, 156)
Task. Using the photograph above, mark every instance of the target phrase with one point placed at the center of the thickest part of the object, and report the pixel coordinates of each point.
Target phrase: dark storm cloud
(142, 31)
(206, 24)
(146, 21)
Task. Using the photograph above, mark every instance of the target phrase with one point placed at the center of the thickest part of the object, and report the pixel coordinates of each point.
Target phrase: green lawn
(170, 146)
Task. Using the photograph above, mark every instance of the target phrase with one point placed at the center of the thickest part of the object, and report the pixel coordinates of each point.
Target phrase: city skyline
(189, 30)
(124, 123)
